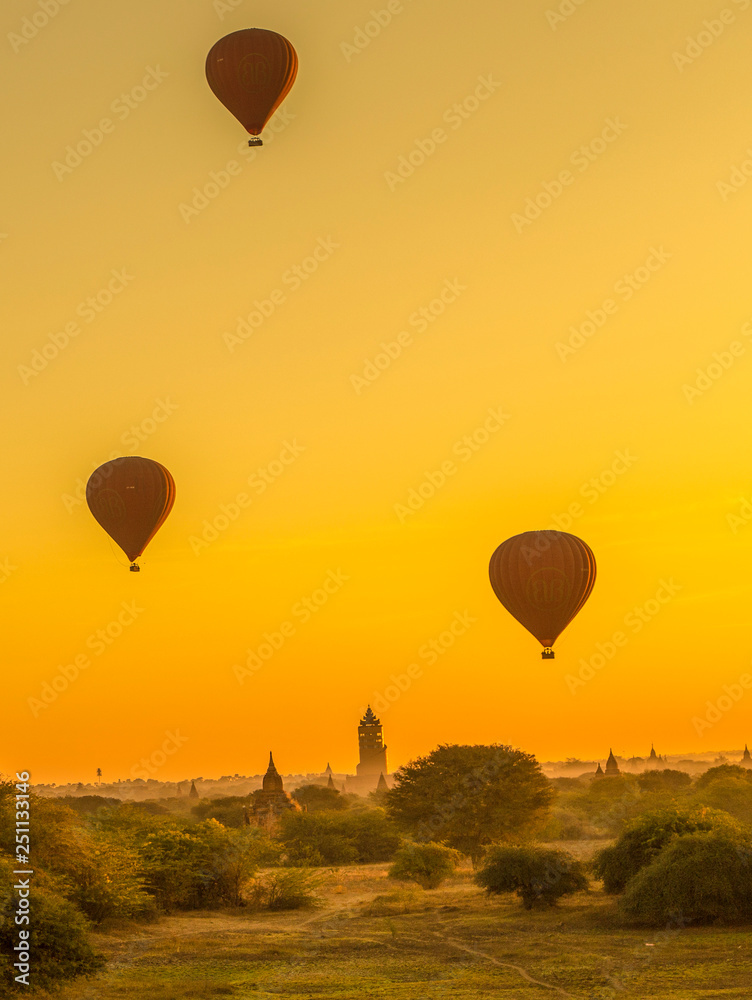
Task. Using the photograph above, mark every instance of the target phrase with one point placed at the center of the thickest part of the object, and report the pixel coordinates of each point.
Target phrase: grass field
(372, 939)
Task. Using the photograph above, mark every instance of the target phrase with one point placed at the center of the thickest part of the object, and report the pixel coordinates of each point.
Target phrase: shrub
(227, 810)
(723, 771)
(59, 944)
(289, 889)
(699, 877)
(667, 780)
(336, 838)
(427, 864)
(643, 840)
(317, 798)
(538, 875)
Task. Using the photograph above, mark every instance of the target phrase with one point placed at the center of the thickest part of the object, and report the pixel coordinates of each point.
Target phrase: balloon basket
(135, 568)
(255, 141)
(547, 654)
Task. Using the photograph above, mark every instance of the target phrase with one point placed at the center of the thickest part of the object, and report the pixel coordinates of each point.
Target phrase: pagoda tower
(268, 804)
(599, 772)
(612, 768)
(746, 760)
(193, 794)
(371, 747)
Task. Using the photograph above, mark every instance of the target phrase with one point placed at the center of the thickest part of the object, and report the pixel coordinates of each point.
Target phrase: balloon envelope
(543, 578)
(251, 72)
(131, 497)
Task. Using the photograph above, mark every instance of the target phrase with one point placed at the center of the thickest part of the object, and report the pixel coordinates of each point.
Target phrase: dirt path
(507, 965)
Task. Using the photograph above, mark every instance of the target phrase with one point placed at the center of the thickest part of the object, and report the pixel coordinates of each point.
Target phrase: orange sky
(471, 189)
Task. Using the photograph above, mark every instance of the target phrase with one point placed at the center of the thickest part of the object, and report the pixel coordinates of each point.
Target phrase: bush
(290, 889)
(427, 864)
(668, 780)
(538, 875)
(723, 771)
(317, 798)
(336, 838)
(227, 810)
(700, 877)
(643, 840)
(59, 944)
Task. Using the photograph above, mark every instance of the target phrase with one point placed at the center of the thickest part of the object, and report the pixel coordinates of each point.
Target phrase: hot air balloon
(543, 578)
(131, 497)
(251, 72)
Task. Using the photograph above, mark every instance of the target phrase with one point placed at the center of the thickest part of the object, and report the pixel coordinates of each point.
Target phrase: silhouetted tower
(382, 785)
(746, 760)
(371, 746)
(599, 772)
(330, 783)
(271, 801)
(612, 768)
(193, 794)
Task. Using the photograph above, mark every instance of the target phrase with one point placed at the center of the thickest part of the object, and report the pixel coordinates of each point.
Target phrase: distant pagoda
(599, 772)
(746, 760)
(193, 794)
(612, 768)
(271, 801)
(372, 752)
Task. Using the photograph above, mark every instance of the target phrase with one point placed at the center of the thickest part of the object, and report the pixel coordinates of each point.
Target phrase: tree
(427, 864)
(60, 947)
(317, 798)
(703, 877)
(336, 838)
(641, 842)
(470, 796)
(227, 810)
(723, 771)
(538, 875)
(667, 780)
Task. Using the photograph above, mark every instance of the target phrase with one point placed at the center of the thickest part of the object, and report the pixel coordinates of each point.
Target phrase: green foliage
(645, 838)
(427, 864)
(722, 772)
(227, 810)
(203, 866)
(289, 889)
(317, 798)
(470, 796)
(667, 780)
(58, 940)
(538, 875)
(727, 790)
(336, 838)
(700, 877)
(87, 803)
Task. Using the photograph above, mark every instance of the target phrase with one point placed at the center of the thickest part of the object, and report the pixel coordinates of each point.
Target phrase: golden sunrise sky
(401, 170)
